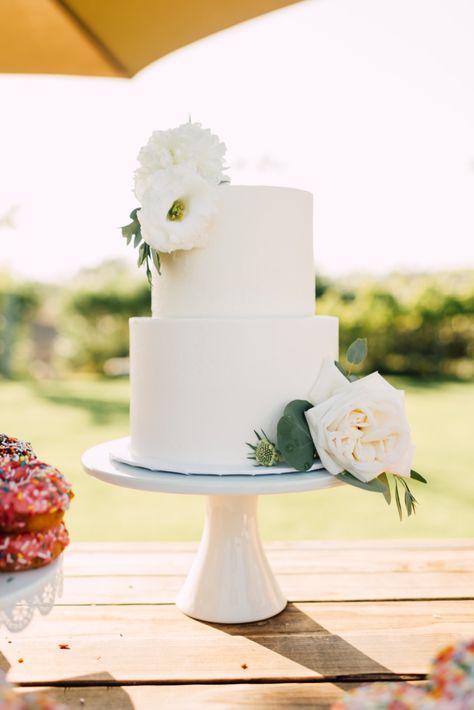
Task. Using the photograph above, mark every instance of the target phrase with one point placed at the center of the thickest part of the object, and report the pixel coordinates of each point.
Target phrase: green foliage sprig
(381, 484)
(133, 231)
(356, 353)
(295, 444)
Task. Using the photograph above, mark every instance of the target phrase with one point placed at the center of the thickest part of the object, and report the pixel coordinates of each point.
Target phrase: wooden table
(359, 611)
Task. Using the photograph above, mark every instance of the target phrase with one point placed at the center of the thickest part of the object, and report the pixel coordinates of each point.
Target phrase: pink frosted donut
(34, 496)
(383, 696)
(452, 675)
(29, 550)
(39, 701)
(11, 699)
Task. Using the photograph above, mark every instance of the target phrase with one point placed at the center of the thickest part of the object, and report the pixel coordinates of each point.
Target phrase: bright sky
(368, 104)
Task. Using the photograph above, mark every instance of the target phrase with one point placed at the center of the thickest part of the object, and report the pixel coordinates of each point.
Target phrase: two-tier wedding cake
(233, 364)
(233, 335)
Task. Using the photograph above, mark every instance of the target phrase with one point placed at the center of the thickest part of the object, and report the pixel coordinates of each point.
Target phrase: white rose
(359, 426)
(176, 209)
(187, 145)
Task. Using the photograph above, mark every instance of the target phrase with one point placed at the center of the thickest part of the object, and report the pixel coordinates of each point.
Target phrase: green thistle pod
(265, 452)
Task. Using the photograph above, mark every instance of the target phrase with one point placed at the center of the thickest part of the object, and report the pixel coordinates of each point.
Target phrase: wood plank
(175, 559)
(162, 589)
(343, 641)
(123, 547)
(310, 571)
(305, 696)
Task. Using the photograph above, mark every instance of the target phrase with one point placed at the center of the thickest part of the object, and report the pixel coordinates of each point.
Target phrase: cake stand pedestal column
(230, 580)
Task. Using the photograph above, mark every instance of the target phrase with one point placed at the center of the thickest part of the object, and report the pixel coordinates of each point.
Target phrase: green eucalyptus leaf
(374, 486)
(142, 253)
(397, 499)
(133, 229)
(341, 369)
(138, 238)
(357, 351)
(417, 476)
(156, 259)
(128, 231)
(294, 440)
(296, 409)
(404, 483)
(386, 493)
(148, 272)
(408, 503)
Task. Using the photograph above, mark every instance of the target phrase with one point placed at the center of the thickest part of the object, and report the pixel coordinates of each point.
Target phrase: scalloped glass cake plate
(23, 593)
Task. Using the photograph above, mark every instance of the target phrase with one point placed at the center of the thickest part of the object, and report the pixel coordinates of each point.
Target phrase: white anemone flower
(187, 145)
(176, 209)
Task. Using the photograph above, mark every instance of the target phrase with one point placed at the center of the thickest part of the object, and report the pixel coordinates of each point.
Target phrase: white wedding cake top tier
(257, 262)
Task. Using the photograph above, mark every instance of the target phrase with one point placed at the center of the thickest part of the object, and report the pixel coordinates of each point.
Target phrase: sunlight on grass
(62, 419)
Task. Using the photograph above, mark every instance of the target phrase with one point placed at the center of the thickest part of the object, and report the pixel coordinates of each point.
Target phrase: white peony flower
(176, 209)
(360, 426)
(187, 145)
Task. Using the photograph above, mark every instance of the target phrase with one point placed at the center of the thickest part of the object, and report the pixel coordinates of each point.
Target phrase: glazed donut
(34, 496)
(30, 550)
(15, 449)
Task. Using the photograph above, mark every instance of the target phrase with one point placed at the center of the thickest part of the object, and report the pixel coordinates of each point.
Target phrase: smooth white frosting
(258, 261)
(200, 386)
(233, 338)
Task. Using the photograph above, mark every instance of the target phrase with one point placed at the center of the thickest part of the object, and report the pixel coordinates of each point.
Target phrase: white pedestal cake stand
(230, 580)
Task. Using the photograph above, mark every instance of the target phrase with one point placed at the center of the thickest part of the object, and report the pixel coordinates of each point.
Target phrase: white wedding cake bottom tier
(199, 387)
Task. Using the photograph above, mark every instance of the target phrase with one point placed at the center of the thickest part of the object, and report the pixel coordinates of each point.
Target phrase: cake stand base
(230, 581)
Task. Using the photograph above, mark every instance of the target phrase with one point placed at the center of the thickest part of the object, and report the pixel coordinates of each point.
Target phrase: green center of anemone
(177, 211)
(266, 453)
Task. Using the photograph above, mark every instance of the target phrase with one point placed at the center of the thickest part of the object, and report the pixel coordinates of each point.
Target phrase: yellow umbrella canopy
(110, 37)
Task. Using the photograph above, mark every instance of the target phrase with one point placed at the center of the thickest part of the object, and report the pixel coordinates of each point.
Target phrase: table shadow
(71, 692)
(296, 636)
(4, 664)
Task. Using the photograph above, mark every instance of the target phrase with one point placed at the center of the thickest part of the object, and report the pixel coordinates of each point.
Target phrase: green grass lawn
(62, 419)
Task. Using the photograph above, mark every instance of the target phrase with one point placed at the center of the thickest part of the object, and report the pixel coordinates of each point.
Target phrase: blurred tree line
(19, 303)
(419, 325)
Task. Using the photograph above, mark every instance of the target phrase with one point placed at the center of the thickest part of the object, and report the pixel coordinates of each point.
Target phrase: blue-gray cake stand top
(98, 462)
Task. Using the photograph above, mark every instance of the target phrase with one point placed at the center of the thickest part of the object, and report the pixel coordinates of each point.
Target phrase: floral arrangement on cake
(355, 427)
(175, 185)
